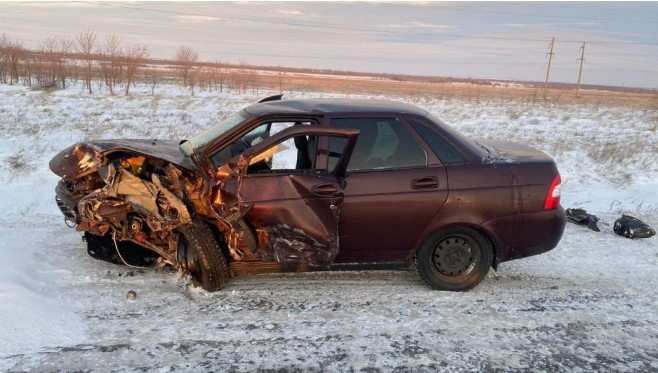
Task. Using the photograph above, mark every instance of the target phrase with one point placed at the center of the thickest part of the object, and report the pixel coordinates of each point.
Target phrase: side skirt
(252, 268)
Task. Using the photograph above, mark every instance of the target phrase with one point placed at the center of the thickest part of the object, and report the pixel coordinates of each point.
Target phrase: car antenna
(272, 98)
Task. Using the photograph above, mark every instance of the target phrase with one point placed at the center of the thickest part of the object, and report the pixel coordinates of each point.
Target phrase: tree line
(111, 63)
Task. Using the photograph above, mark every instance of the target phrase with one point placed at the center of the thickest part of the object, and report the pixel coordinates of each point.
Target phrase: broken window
(292, 155)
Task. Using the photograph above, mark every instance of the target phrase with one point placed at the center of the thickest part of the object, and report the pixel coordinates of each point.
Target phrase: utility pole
(550, 59)
(280, 82)
(580, 60)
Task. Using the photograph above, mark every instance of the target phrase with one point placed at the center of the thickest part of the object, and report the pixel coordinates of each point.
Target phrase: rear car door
(394, 186)
(279, 194)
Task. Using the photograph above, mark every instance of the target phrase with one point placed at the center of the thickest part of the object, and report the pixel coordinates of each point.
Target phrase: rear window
(443, 149)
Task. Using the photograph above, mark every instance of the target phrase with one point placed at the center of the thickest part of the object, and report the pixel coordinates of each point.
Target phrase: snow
(590, 304)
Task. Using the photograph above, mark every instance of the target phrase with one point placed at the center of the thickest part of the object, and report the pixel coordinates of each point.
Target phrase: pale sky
(477, 40)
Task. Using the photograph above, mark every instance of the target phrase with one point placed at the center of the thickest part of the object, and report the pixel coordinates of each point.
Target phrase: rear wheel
(456, 259)
(203, 257)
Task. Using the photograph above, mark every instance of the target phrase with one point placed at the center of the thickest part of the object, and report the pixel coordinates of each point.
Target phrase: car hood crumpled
(75, 159)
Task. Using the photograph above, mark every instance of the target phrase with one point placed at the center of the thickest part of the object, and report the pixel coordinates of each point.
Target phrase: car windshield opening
(203, 138)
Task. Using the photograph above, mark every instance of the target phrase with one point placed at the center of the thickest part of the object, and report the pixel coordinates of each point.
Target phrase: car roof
(315, 106)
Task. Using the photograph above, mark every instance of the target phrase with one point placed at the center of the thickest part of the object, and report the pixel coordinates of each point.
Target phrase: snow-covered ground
(590, 304)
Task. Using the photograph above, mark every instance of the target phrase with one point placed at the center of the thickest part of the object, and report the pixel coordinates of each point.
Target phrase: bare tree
(221, 78)
(152, 78)
(4, 65)
(111, 61)
(217, 76)
(249, 78)
(134, 56)
(11, 54)
(62, 66)
(28, 67)
(203, 78)
(15, 54)
(46, 65)
(86, 42)
(193, 78)
(186, 58)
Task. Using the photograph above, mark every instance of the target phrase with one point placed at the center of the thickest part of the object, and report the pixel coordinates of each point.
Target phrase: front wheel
(203, 257)
(456, 259)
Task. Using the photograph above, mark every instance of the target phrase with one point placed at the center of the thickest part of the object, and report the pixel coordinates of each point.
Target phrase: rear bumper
(527, 234)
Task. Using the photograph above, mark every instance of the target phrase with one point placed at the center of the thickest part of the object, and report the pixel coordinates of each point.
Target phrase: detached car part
(582, 217)
(632, 227)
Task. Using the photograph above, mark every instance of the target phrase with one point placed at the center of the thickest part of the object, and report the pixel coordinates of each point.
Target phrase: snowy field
(590, 304)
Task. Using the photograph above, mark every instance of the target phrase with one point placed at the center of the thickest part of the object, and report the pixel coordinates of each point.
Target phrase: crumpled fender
(77, 160)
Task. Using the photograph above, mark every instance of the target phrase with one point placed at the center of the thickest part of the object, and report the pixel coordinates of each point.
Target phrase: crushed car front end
(132, 191)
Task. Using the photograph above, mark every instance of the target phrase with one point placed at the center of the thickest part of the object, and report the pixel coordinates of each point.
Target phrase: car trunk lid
(533, 174)
(510, 152)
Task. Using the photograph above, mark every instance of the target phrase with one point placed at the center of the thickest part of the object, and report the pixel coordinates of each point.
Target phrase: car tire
(455, 259)
(204, 258)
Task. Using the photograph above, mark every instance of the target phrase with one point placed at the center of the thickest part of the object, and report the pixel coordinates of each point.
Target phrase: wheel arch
(220, 238)
(489, 236)
(204, 258)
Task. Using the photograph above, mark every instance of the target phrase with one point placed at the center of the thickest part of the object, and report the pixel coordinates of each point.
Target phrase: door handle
(325, 190)
(425, 182)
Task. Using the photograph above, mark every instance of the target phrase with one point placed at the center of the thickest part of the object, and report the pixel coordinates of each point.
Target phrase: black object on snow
(581, 217)
(631, 227)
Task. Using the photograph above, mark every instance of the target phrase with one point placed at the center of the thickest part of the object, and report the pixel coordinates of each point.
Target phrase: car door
(394, 186)
(278, 196)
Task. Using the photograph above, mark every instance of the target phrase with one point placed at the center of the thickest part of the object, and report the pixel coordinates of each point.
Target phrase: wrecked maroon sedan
(301, 185)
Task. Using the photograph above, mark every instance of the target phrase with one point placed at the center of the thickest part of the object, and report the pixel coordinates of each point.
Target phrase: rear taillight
(553, 195)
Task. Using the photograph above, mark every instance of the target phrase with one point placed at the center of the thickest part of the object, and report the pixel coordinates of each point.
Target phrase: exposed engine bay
(134, 200)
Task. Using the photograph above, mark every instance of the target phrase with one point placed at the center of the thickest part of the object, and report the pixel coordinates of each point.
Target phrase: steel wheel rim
(191, 264)
(455, 256)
